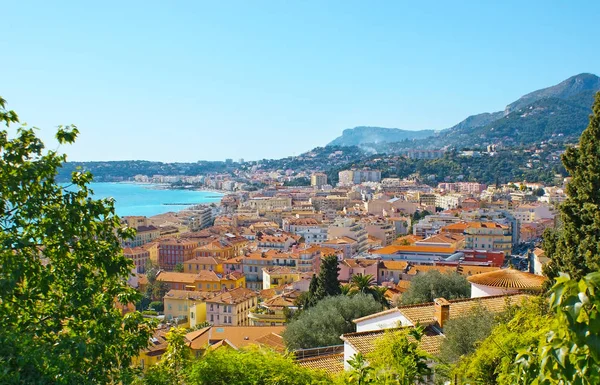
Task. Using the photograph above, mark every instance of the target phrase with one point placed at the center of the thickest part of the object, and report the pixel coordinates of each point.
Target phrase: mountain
(558, 113)
(358, 136)
(563, 90)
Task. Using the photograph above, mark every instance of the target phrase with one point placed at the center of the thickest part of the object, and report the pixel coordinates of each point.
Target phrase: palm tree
(378, 294)
(346, 289)
(362, 283)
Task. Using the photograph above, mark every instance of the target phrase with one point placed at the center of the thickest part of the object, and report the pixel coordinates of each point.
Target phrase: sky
(209, 80)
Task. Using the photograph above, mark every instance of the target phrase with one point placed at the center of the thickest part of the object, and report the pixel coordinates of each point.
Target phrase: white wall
(478, 291)
(349, 352)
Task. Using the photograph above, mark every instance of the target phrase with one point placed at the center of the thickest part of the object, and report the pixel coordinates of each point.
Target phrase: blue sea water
(148, 200)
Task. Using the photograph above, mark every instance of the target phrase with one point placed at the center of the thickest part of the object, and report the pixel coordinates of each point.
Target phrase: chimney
(441, 311)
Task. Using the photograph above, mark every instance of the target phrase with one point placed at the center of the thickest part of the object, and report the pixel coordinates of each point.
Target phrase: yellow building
(178, 304)
(279, 275)
(152, 249)
(203, 263)
(488, 236)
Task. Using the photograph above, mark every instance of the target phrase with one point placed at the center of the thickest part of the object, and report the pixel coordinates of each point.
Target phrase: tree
(155, 289)
(539, 192)
(577, 247)
(463, 333)
(398, 359)
(493, 362)
(362, 283)
(365, 284)
(178, 268)
(62, 271)
(569, 353)
(172, 364)
(433, 284)
(323, 324)
(249, 366)
(328, 283)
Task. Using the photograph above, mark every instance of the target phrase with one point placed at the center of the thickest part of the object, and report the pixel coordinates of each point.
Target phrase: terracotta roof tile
(364, 342)
(509, 279)
(331, 364)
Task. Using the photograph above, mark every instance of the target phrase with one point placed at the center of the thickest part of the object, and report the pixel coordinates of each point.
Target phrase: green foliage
(157, 305)
(155, 290)
(433, 284)
(493, 361)
(397, 358)
(365, 284)
(570, 352)
(463, 333)
(302, 181)
(576, 249)
(328, 283)
(323, 324)
(251, 366)
(178, 268)
(62, 271)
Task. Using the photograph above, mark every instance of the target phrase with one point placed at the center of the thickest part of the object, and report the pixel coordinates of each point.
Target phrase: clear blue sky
(267, 79)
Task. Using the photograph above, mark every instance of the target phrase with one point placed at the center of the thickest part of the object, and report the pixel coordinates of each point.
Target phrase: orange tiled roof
(170, 276)
(272, 340)
(456, 226)
(234, 296)
(415, 249)
(424, 313)
(393, 265)
(364, 342)
(486, 225)
(509, 279)
(332, 364)
(238, 336)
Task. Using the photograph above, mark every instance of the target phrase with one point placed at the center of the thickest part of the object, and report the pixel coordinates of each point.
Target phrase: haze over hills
(362, 135)
(559, 112)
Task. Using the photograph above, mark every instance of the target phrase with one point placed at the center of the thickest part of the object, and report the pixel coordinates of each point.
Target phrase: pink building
(360, 266)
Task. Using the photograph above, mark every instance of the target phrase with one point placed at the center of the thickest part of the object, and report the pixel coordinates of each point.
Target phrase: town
(232, 274)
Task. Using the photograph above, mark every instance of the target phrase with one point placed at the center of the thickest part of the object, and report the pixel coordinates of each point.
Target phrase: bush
(156, 306)
(150, 312)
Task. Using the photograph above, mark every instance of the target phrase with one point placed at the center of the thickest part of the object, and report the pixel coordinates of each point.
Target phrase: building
(356, 266)
(198, 264)
(143, 235)
(488, 236)
(174, 251)
(272, 312)
(350, 177)
(179, 302)
(231, 307)
(139, 256)
(504, 281)
(310, 229)
(349, 227)
(318, 179)
(262, 204)
(204, 280)
(275, 276)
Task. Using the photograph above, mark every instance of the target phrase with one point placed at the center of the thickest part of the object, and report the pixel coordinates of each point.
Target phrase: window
(199, 286)
(169, 306)
(211, 307)
(192, 315)
(212, 318)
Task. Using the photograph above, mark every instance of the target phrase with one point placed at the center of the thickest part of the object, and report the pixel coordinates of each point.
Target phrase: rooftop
(509, 279)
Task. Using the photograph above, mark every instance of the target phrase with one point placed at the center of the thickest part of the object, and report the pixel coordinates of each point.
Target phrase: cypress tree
(575, 248)
(328, 283)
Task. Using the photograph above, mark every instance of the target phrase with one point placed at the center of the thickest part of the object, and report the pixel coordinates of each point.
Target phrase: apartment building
(231, 307)
(174, 251)
(310, 229)
(318, 179)
(139, 256)
(349, 227)
(488, 236)
(350, 177)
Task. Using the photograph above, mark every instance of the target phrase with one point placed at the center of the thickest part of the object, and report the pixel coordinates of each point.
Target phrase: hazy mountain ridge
(361, 135)
(559, 112)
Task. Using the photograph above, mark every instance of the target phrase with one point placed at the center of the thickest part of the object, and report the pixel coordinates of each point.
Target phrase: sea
(150, 199)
